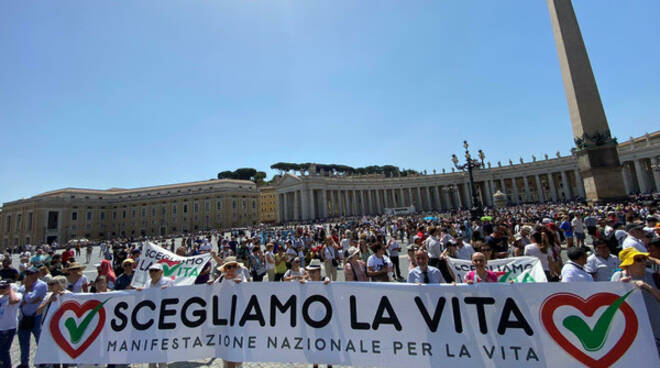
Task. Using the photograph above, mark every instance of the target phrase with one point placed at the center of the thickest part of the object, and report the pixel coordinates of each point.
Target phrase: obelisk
(595, 149)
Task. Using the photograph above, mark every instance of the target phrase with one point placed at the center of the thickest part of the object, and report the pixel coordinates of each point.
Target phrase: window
(29, 221)
(18, 222)
(74, 216)
(208, 205)
(123, 214)
(174, 209)
(144, 211)
(254, 204)
(185, 208)
(244, 204)
(153, 211)
(8, 225)
(163, 211)
(89, 215)
(114, 215)
(233, 203)
(219, 204)
(102, 216)
(196, 207)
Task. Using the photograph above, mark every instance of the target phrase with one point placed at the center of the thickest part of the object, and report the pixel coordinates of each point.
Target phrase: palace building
(308, 197)
(72, 213)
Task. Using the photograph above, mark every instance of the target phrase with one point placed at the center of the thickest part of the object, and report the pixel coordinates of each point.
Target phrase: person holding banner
(601, 264)
(156, 276)
(9, 303)
(230, 270)
(423, 273)
(573, 270)
(355, 269)
(480, 273)
(379, 266)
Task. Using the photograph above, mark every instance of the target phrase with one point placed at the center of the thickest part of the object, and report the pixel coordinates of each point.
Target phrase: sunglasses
(231, 267)
(640, 260)
(154, 271)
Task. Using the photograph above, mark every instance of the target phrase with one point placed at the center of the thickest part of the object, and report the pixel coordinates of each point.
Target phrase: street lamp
(476, 211)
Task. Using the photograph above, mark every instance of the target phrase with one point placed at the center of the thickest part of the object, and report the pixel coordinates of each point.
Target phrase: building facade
(71, 213)
(267, 204)
(308, 197)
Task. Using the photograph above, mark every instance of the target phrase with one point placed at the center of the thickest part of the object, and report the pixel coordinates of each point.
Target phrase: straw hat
(74, 266)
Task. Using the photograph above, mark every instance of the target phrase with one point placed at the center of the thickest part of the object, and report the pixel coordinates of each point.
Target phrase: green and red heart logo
(75, 332)
(170, 267)
(591, 340)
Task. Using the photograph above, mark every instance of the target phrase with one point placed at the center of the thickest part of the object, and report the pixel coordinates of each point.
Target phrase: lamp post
(470, 164)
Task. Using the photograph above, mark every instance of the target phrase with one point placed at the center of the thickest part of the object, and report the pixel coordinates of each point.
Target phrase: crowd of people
(573, 242)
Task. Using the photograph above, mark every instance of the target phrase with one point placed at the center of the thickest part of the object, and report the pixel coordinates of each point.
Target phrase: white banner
(516, 269)
(181, 270)
(366, 324)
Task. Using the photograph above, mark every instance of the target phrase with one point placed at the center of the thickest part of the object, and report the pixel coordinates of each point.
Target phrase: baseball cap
(156, 266)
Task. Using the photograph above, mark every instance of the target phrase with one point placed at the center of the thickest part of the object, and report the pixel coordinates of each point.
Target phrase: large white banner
(370, 324)
(181, 270)
(514, 269)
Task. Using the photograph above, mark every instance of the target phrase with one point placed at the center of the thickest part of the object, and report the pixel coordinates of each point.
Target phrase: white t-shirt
(8, 313)
(535, 251)
(391, 248)
(292, 273)
(379, 263)
(602, 268)
(465, 252)
(78, 286)
(162, 282)
(578, 227)
(269, 255)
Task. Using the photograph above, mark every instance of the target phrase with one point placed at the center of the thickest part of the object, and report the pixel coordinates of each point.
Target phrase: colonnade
(307, 201)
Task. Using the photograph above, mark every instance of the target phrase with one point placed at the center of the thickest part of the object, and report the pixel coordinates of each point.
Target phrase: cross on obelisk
(595, 149)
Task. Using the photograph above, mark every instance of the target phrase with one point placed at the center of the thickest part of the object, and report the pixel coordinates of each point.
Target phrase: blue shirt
(33, 299)
(416, 276)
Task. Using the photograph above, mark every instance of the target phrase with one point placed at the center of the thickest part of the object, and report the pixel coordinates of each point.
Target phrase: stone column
(280, 206)
(597, 158)
(402, 201)
(378, 205)
(503, 186)
(296, 205)
(362, 207)
(304, 204)
(324, 203)
(528, 194)
(438, 203)
(286, 206)
(565, 184)
(446, 204)
(553, 189)
(656, 173)
(429, 205)
(333, 203)
(468, 195)
(488, 200)
(641, 177)
(579, 184)
(625, 172)
(516, 197)
(539, 188)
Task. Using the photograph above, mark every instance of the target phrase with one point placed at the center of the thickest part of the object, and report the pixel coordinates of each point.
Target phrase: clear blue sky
(135, 93)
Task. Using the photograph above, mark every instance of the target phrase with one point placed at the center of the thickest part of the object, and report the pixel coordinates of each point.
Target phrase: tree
(226, 175)
(245, 173)
(259, 177)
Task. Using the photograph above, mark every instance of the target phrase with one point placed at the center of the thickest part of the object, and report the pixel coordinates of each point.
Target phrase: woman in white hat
(77, 282)
(230, 270)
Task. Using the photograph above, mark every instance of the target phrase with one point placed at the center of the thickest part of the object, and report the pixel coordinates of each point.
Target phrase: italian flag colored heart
(591, 339)
(75, 331)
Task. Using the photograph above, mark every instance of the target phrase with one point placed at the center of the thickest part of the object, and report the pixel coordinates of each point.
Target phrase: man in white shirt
(465, 250)
(393, 248)
(434, 247)
(157, 279)
(636, 237)
(573, 270)
(602, 264)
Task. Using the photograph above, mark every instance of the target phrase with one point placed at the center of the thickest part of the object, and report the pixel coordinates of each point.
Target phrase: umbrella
(486, 218)
(431, 218)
